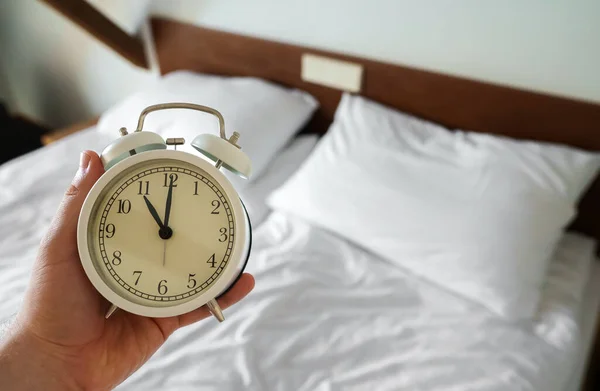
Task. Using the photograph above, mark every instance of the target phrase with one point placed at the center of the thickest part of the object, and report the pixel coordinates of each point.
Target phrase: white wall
(545, 45)
(57, 73)
(54, 71)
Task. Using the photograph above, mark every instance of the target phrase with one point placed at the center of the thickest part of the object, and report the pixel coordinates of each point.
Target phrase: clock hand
(154, 213)
(164, 252)
(168, 205)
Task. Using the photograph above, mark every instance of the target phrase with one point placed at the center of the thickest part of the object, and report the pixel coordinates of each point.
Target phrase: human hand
(60, 338)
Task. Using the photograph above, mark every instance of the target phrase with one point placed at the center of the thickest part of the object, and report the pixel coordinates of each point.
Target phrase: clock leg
(111, 311)
(214, 309)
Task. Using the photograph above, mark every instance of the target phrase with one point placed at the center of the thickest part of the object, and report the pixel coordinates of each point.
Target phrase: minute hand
(153, 212)
(168, 205)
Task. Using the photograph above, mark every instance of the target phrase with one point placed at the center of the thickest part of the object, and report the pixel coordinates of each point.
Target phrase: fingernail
(84, 160)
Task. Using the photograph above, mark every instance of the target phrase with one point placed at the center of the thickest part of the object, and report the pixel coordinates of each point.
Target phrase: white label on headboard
(343, 75)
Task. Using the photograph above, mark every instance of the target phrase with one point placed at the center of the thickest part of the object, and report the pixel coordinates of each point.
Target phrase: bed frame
(451, 101)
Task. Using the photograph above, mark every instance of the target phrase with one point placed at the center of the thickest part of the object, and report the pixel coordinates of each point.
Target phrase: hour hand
(153, 212)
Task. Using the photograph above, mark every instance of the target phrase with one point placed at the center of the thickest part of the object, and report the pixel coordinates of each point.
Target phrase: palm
(125, 343)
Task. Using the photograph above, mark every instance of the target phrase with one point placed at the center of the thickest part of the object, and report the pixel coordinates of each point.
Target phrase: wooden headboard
(450, 101)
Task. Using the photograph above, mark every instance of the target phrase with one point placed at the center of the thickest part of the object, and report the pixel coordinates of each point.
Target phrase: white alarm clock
(163, 232)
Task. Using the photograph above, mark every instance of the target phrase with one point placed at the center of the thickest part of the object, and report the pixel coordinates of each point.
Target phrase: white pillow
(477, 214)
(266, 115)
(279, 170)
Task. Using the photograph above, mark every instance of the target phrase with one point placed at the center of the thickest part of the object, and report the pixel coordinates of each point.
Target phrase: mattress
(325, 314)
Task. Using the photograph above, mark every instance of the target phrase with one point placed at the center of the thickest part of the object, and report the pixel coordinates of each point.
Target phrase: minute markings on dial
(220, 264)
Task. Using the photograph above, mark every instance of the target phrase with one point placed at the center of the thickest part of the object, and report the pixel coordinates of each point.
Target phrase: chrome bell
(130, 144)
(224, 152)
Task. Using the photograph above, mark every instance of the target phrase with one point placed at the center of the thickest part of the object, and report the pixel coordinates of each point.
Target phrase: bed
(333, 338)
(325, 314)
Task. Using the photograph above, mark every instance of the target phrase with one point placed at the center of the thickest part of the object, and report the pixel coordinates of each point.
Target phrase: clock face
(161, 232)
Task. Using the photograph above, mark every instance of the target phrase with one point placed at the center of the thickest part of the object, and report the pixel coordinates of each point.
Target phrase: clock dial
(162, 232)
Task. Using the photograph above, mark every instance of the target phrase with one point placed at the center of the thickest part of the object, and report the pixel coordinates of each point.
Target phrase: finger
(241, 288)
(61, 237)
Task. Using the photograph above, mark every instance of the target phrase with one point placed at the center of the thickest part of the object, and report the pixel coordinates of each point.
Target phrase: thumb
(61, 238)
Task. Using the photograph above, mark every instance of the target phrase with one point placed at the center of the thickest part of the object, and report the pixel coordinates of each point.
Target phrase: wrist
(27, 363)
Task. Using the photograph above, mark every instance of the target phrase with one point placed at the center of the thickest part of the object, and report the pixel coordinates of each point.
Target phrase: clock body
(162, 233)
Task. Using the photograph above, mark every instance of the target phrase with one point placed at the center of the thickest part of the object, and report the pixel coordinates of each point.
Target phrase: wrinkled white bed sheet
(326, 315)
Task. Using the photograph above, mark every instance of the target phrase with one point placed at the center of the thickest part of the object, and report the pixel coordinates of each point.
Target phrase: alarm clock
(163, 232)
